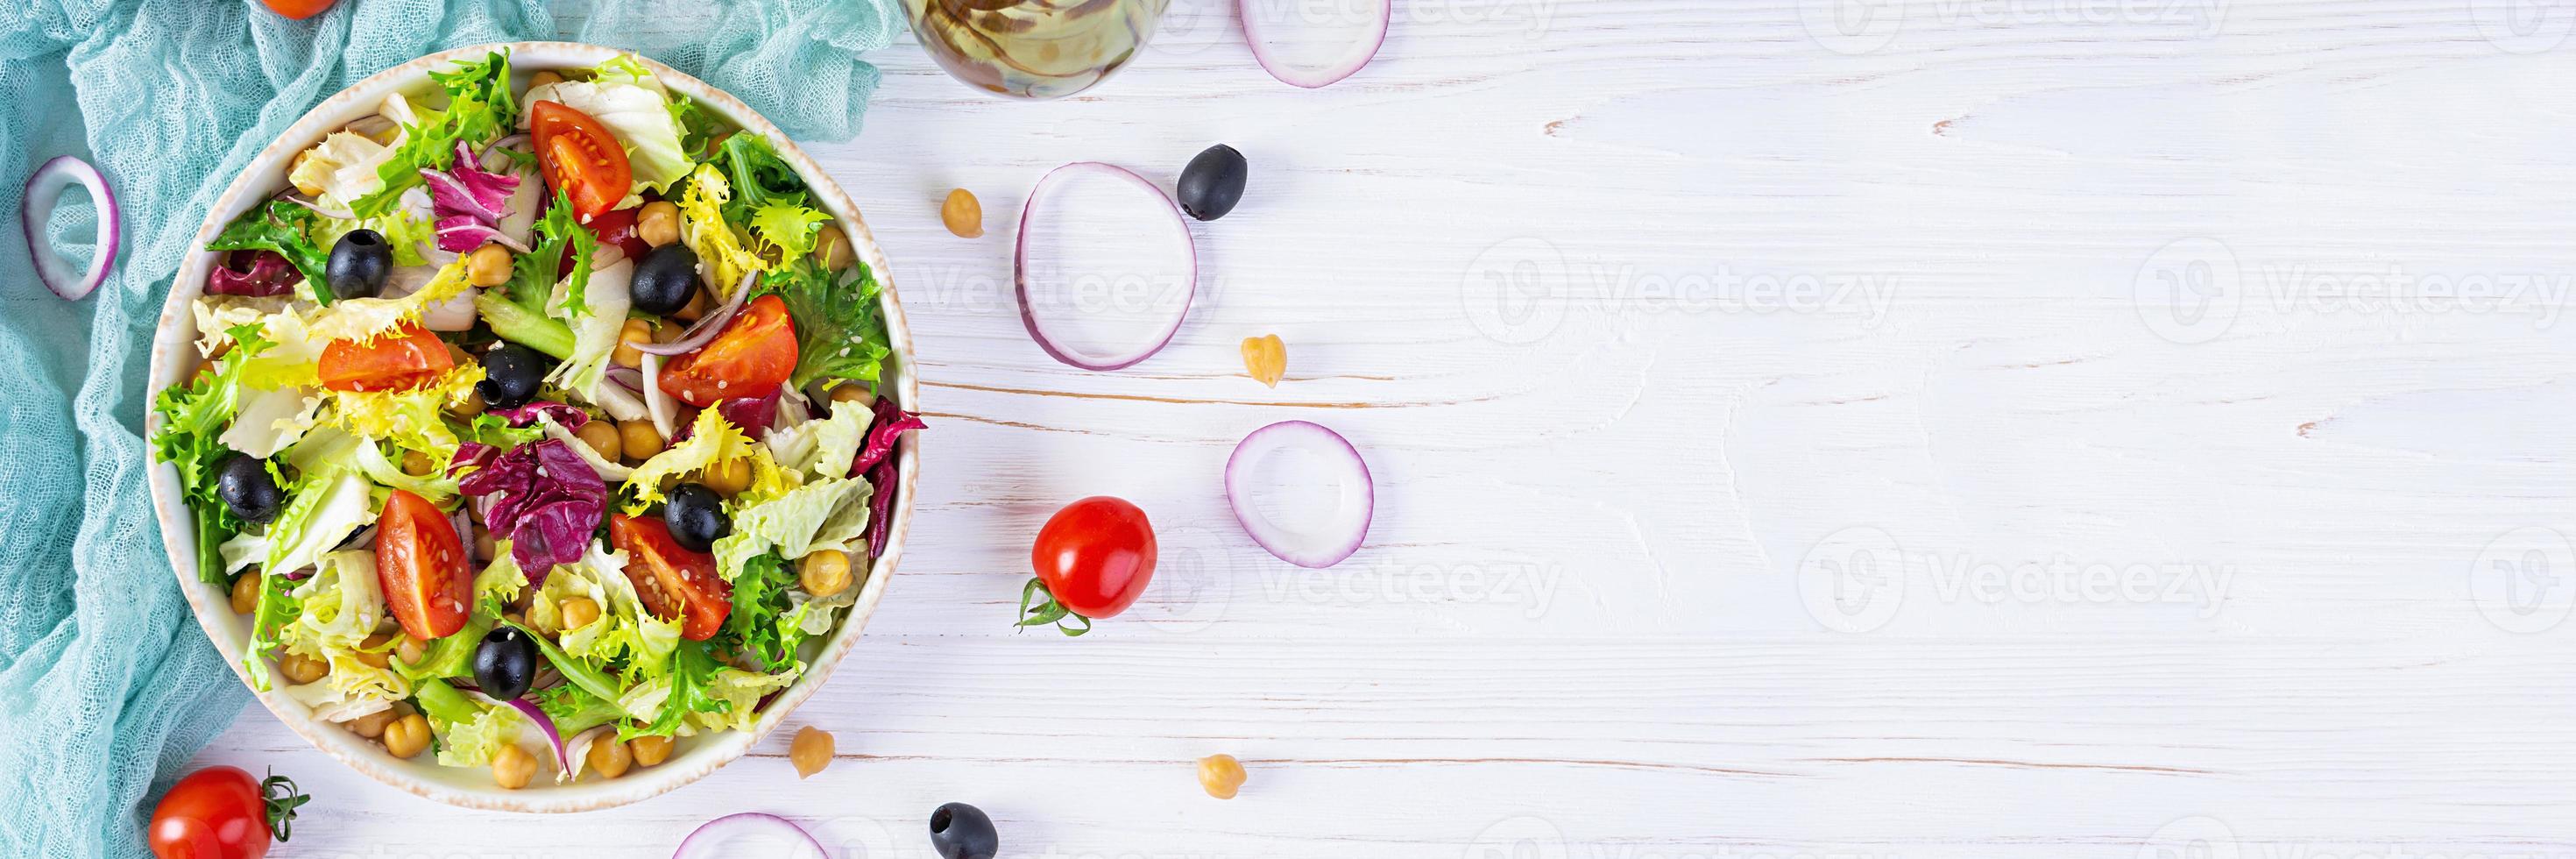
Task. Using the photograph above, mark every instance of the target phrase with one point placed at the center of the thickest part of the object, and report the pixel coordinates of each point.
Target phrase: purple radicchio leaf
(550, 502)
(752, 414)
(257, 274)
(891, 422)
(571, 417)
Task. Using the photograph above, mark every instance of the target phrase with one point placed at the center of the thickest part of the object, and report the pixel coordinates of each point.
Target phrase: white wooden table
(1789, 443)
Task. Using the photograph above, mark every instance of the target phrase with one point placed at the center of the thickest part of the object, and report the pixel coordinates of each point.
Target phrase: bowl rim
(173, 355)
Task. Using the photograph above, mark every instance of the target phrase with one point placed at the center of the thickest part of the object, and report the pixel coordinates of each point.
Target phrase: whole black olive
(666, 279)
(243, 482)
(961, 831)
(696, 516)
(1213, 182)
(359, 264)
(511, 376)
(505, 663)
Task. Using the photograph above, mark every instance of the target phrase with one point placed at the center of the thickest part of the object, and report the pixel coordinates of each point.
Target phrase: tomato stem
(279, 794)
(1048, 611)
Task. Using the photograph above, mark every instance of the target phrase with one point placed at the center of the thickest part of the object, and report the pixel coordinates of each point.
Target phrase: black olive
(511, 376)
(505, 663)
(243, 482)
(666, 279)
(696, 516)
(1213, 182)
(359, 264)
(961, 831)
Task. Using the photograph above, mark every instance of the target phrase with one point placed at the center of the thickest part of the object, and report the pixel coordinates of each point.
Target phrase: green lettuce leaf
(480, 109)
(341, 607)
(287, 229)
(786, 231)
(840, 329)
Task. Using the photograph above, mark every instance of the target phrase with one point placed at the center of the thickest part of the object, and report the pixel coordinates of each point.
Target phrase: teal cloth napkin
(107, 688)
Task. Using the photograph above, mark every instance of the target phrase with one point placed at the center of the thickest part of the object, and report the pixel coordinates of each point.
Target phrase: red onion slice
(1104, 268)
(709, 325)
(43, 191)
(1302, 492)
(750, 834)
(563, 761)
(1315, 44)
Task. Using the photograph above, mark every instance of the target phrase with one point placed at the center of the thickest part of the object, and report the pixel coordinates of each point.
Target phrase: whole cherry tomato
(421, 564)
(672, 581)
(222, 813)
(405, 358)
(580, 157)
(1093, 559)
(299, 9)
(751, 357)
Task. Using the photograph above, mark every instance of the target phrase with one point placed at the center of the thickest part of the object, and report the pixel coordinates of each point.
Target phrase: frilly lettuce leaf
(469, 734)
(739, 692)
(413, 419)
(703, 229)
(500, 582)
(821, 448)
(365, 319)
(786, 231)
(624, 631)
(341, 607)
(712, 440)
(435, 486)
(594, 329)
(344, 166)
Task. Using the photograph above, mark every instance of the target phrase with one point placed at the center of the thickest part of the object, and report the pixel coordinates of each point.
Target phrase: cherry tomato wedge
(580, 157)
(222, 813)
(402, 359)
(421, 564)
(1095, 557)
(751, 357)
(672, 581)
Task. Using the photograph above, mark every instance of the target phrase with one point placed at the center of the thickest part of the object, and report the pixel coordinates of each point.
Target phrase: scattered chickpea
(962, 214)
(246, 592)
(1221, 775)
(811, 751)
(373, 725)
(610, 757)
(853, 392)
(470, 406)
(636, 331)
(649, 750)
(824, 572)
(833, 248)
(512, 767)
(416, 463)
(544, 78)
(407, 736)
(578, 612)
(371, 651)
(411, 650)
(602, 438)
(641, 440)
(729, 477)
(488, 265)
(658, 223)
(301, 669)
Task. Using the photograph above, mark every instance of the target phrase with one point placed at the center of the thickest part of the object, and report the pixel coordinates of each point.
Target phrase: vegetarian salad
(540, 414)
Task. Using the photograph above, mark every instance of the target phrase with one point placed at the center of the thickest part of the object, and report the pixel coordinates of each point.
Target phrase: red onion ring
(750, 833)
(1314, 544)
(1020, 270)
(708, 325)
(629, 378)
(563, 761)
(44, 190)
(1258, 15)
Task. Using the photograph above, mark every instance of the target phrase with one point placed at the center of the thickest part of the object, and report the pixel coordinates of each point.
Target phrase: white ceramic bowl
(173, 356)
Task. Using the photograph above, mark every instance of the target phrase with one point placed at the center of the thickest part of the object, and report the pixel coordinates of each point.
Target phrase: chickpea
(811, 751)
(642, 441)
(407, 736)
(373, 725)
(246, 592)
(488, 265)
(372, 650)
(469, 407)
(728, 477)
(512, 767)
(544, 79)
(416, 463)
(578, 612)
(649, 750)
(962, 214)
(411, 650)
(636, 331)
(658, 223)
(1220, 775)
(485, 547)
(301, 669)
(697, 305)
(853, 392)
(833, 247)
(610, 757)
(602, 437)
(824, 572)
